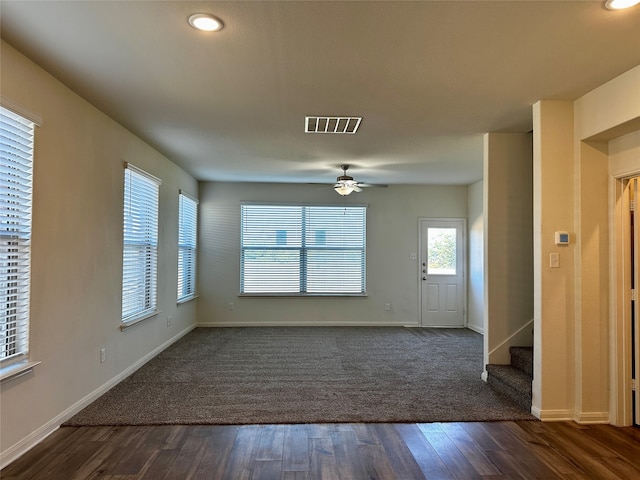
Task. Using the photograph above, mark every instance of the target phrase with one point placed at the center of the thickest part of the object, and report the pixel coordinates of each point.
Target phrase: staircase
(514, 381)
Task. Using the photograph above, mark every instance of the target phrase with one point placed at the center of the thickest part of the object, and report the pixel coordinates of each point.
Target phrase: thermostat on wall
(562, 238)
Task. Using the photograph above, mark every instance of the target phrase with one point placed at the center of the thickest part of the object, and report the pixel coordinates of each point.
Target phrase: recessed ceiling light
(620, 4)
(205, 22)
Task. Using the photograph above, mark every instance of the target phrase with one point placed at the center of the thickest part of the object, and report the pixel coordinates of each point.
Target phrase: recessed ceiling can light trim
(316, 124)
(620, 4)
(206, 22)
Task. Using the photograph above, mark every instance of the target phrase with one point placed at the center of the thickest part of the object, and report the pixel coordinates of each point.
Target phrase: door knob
(424, 278)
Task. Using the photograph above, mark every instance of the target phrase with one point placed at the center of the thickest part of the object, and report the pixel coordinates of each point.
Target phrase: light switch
(554, 260)
(412, 255)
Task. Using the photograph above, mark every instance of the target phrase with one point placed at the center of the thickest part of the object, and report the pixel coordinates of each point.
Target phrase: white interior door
(442, 272)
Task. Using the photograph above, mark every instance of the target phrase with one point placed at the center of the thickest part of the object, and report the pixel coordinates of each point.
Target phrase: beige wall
(392, 235)
(508, 240)
(475, 303)
(554, 287)
(77, 256)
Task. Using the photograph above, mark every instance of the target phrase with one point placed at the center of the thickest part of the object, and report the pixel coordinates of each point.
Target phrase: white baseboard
(23, 446)
(552, 415)
(476, 329)
(302, 324)
(591, 418)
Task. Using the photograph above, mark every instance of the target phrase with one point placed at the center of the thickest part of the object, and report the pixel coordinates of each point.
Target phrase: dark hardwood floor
(499, 450)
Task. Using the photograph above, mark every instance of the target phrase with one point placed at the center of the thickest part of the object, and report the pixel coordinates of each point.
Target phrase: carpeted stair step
(522, 359)
(512, 383)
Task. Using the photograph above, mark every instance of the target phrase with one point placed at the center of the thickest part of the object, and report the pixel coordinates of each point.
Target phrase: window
(16, 168)
(140, 246)
(441, 251)
(307, 250)
(187, 245)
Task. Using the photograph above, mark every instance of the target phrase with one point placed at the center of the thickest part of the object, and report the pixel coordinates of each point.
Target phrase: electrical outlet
(230, 306)
(103, 355)
(387, 307)
(169, 320)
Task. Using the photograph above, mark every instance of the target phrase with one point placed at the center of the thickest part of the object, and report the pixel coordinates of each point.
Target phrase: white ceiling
(429, 78)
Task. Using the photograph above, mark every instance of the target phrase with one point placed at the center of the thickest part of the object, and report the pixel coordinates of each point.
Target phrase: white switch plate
(412, 256)
(554, 260)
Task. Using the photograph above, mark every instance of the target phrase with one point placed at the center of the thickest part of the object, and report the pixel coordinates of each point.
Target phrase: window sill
(11, 372)
(137, 320)
(187, 299)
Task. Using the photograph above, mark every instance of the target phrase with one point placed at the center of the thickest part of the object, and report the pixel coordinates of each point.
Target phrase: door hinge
(632, 205)
(634, 385)
(633, 295)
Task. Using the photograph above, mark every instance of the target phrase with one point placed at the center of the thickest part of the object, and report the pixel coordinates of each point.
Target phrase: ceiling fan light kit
(345, 184)
(343, 190)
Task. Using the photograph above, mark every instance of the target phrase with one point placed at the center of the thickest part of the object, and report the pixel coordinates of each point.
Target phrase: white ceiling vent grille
(332, 124)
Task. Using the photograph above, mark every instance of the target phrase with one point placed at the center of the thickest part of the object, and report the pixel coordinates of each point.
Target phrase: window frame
(189, 261)
(17, 163)
(144, 247)
(303, 250)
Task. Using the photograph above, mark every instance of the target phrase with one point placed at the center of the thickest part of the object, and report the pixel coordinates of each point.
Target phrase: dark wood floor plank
(547, 453)
(366, 434)
(568, 443)
(480, 435)
(615, 439)
(295, 476)
(519, 449)
(345, 450)
(375, 462)
(158, 466)
(399, 456)
(267, 470)
(320, 430)
(218, 444)
(470, 449)
(507, 464)
(426, 457)
(243, 453)
(296, 449)
(322, 461)
(446, 449)
(271, 444)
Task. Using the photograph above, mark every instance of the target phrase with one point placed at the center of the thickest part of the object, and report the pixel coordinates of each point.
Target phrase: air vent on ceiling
(332, 124)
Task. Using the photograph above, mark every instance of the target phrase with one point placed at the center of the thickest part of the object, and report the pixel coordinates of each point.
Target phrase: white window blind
(16, 168)
(187, 246)
(140, 246)
(312, 250)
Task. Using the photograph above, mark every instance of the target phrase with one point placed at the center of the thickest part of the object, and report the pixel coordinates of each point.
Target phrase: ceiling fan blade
(356, 188)
(378, 185)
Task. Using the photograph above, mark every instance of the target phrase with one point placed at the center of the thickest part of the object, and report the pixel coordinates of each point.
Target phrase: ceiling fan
(345, 184)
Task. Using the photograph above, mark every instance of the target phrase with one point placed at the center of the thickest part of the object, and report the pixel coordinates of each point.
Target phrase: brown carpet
(307, 375)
